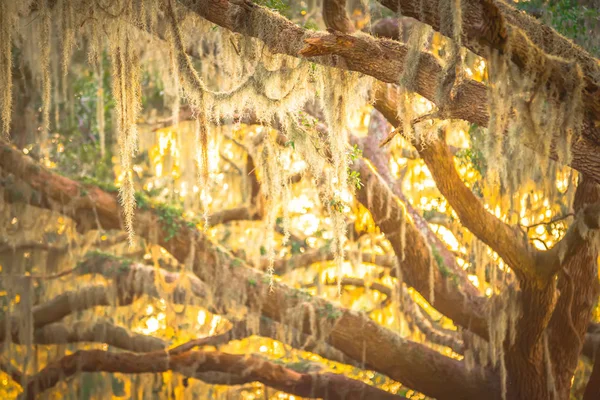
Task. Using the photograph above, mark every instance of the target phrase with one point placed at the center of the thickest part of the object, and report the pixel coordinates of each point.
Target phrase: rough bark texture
(384, 60)
(578, 287)
(490, 24)
(334, 14)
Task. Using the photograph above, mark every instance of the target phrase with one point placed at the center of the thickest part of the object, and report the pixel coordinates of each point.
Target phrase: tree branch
(281, 266)
(592, 389)
(100, 332)
(14, 373)
(335, 16)
(462, 304)
(434, 334)
(233, 214)
(491, 24)
(131, 280)
(232, 282)
(500, 237)
(550, 262)
(455, 296)
(382, 59)
(193, 363)
(106, 332)
(578, 287)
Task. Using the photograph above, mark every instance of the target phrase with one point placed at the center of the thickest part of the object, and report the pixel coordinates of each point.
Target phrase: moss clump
(122, 264)
(330, 312)
(236, 262)
(142, 200)
(171, 218)
(106, 186)
(34, 168)
(276, 5)
(439, 260)
(444, 270)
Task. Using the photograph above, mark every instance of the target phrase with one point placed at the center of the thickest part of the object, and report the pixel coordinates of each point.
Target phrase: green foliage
(354, 179)
(474, 156)
(311, 25)
(118, 386)
(440, 261)
(304, 366)
(78, 147)
(330, 312)
(106, 186)
(171, 218)
(307, 120)
(355, 153)
(280, 6)
(142, 200)
(354, 176)
(444, 270)
(568, 17)
(296, 247)
(91, 386)
(237, 262)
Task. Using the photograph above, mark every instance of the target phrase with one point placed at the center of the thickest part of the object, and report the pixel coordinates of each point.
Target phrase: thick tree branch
(99, 332)
(433, 333)
(233, 214)
(108, 333)
(578, 287)
(59, 307)
(463, 305)
(14, 372)
(131, 280)
(455, 296)
(335, 16)
(508, 242)
(193, 363)
(233, 282)
(491, 24)
(592, 389)
(380, 58)
(375, 155)
(577, 237)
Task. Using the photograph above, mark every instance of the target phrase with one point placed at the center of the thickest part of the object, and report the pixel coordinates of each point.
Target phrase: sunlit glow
(308, 223)
(151, 325)
(172, 165)
(201, 317)
(474, 279)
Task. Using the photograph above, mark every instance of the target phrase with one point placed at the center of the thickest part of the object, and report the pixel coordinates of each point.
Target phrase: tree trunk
(550, 332)
(578, 287)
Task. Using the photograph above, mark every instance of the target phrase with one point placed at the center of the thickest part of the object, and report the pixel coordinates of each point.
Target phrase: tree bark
(578, 288)
(383, 59)
(194, 363)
